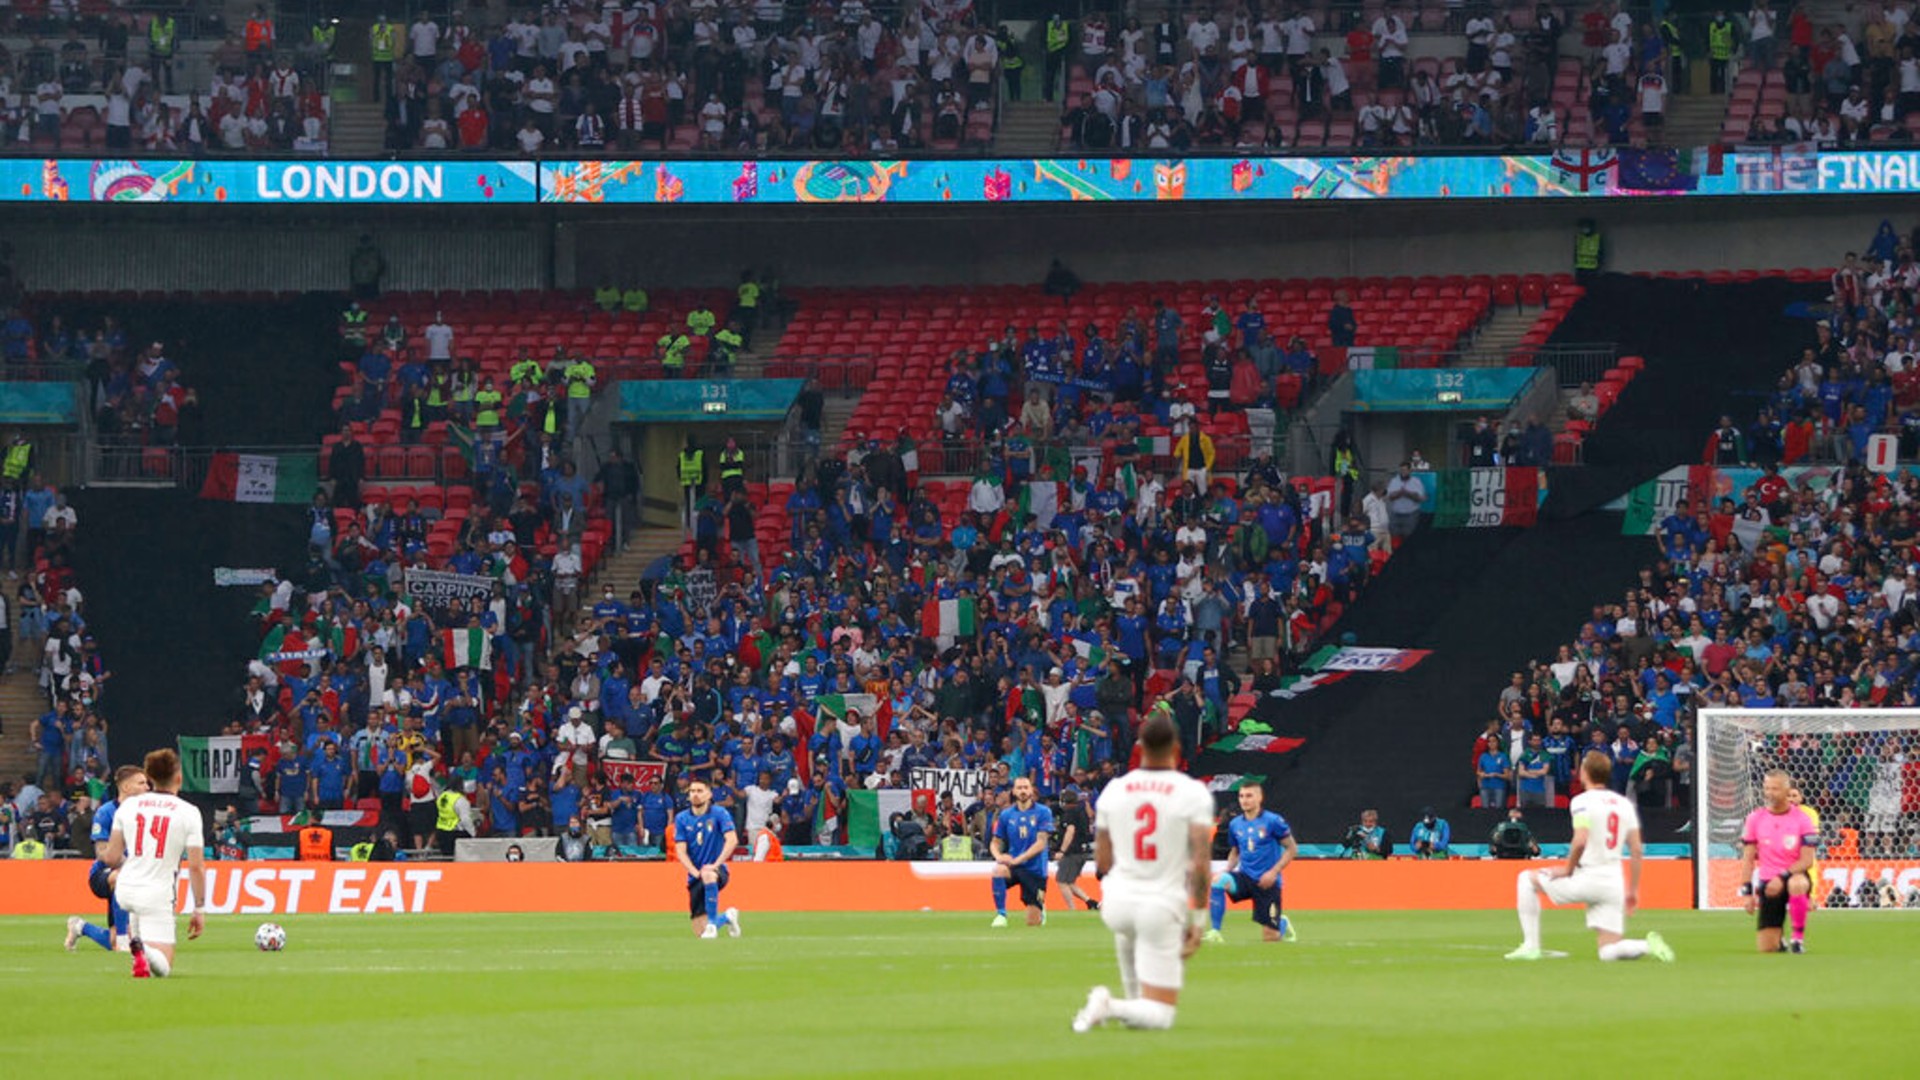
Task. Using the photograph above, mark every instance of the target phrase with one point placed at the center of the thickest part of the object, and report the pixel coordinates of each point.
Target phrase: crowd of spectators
(118, 82)
(1855, 379)
(743, 78)
(1126, 593)
(45, 632)
(1791, 593)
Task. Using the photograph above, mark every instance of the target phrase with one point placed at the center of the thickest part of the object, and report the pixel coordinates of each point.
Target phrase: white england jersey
(1147, 817)
(159, 829)
(1608, 818)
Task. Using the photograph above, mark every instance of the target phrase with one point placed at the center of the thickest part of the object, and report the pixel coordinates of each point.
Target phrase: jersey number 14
(159, 831)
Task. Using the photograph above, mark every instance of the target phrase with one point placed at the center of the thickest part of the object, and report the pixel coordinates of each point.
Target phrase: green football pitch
(1359, 995)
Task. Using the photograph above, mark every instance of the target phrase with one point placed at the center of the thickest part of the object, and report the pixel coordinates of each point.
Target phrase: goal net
(1857, 769)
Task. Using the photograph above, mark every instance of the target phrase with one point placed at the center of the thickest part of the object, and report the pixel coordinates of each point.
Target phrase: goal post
(1859, 769)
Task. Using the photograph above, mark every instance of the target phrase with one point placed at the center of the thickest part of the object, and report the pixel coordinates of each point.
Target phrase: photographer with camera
(1431, 835)
(1367, 840)
(1512, 839)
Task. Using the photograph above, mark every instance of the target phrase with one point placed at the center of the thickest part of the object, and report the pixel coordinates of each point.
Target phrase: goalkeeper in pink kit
(1782, 841)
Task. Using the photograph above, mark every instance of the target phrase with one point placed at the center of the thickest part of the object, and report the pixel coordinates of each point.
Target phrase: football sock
(1216, 905)
(157, 961)
(713, 902)
(1129, 978)
(1141, 1013)
(1628, 949)
(1797, 908)
(1527, 901)
(1000, 895)
(98, 935)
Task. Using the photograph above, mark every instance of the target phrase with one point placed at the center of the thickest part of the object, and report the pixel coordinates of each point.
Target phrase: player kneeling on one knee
(1606, 827)
(1020, 835)
(1152, 833)
(1263, 845)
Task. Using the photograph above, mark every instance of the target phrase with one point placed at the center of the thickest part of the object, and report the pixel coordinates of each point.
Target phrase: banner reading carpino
(228, 181)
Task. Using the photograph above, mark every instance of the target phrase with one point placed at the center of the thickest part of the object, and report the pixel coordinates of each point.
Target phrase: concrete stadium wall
(109, 248)
(854, 246)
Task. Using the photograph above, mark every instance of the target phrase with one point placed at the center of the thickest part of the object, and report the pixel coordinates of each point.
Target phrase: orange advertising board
(286, 888)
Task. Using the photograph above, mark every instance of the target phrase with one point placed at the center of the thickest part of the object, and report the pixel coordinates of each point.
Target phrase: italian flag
(1090, 650)
(262, 478)
(1154, 445)
(1480, 498)
(1263, 744)
(1040, 500)
(469, 648)
(1370, 357)
(1233, 781)
(944, 620)
(869, 814)
(832, 708)
(1654, 501)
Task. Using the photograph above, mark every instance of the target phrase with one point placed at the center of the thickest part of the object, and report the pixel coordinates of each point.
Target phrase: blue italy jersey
(102, 830)
(1258, 839)
(704, 834)
(1017, 829)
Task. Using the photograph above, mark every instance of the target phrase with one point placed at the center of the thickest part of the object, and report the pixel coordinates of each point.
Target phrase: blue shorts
(697, 894)
(1032, 883)
(1266, 902)
(98, 884)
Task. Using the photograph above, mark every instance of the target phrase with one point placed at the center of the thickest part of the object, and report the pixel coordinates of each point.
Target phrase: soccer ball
(270, 937)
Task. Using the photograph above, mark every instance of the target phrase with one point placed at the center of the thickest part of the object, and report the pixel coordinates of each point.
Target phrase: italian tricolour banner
(1480, 498)
(1233, 781)
(945, 620)
(831, 709)
(869, 813)
(1653, 502)
(262, 478)
(469, 648)
(1041, 500)
(212, 763)
(1263, 744)
(1153, 445)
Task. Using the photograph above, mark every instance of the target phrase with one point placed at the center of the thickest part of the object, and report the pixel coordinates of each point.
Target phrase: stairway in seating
(21, 703)
(1028, 128)
(623, 571)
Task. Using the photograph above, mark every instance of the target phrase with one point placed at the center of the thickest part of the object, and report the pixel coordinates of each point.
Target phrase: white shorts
(1151, 931)
(1602, 891)
(149, 917)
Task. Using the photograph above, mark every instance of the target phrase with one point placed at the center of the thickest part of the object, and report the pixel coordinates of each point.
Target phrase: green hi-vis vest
(446, 819)
(608, 298)
(527, 370)
(733, 464)
(361, 852)
(486, 404)
(1057, 33)
(580, 379)
(749, 294)
(693, 466)
(18, 456)
(1720, 40)
(382, 36)
(956, 847)
(1586, 251)
(161, 34)
(1010, 53)
(676, 347)
(323, 35)
(634, 300)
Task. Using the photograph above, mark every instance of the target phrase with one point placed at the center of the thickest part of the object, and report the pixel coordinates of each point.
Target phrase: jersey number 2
(159, 830)
(1613, 831)
(1144, 849)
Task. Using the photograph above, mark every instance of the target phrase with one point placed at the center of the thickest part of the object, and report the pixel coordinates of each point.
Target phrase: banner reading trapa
(967, 786)
(211, 764)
